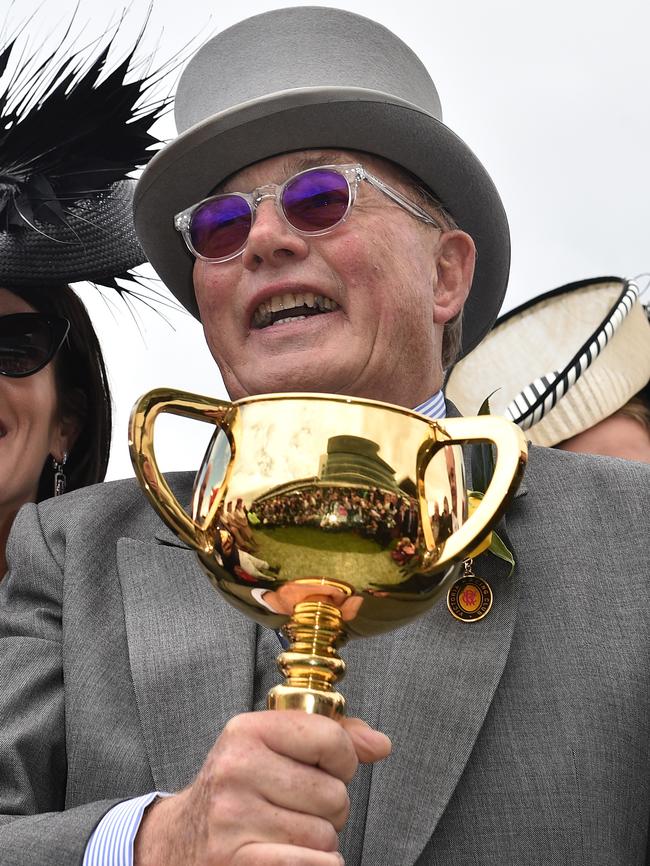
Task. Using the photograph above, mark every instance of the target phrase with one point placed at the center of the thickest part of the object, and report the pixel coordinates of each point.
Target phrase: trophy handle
(512, 453)
(221, 413)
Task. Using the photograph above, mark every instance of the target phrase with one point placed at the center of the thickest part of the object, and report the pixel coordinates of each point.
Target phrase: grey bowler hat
(312, 77)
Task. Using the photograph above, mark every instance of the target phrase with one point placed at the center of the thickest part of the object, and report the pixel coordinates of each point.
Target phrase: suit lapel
(440, 681)
(191, 655)
(441, 678)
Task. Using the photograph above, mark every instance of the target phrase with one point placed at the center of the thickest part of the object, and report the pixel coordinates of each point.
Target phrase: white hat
(562, 362)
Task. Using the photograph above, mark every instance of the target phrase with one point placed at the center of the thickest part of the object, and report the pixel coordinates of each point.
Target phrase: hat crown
(299, 48)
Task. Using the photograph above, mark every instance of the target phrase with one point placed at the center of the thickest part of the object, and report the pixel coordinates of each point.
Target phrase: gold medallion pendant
(470, 598)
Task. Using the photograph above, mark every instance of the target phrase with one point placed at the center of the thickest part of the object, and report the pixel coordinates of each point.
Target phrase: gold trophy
(327, 517)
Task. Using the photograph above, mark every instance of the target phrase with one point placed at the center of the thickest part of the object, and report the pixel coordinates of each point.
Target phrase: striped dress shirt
(111, 843)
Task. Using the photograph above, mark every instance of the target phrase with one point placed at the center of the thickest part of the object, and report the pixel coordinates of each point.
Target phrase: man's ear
(454, 274)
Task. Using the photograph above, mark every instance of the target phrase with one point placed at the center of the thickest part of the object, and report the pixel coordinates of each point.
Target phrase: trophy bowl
(327, 517)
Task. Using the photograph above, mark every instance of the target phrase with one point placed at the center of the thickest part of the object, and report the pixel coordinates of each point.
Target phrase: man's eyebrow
(294, 164)
(311, 160)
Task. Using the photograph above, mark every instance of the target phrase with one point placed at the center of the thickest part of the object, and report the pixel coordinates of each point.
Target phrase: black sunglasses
(29, 341)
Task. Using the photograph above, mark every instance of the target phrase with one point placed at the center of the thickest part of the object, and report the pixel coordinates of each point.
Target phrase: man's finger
(370, 745)
(310, 739)
(304, 788)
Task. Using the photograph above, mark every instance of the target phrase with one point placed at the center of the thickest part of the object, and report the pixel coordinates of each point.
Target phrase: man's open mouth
(290, 307)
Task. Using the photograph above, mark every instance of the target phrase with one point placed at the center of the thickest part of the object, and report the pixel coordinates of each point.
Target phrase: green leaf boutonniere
(482, 462)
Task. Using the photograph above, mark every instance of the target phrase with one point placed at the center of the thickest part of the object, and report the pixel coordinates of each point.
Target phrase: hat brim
(349, 119)
(559, 358)
(96, 243)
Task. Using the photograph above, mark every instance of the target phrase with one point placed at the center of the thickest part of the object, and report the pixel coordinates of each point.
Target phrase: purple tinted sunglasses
(313, 202)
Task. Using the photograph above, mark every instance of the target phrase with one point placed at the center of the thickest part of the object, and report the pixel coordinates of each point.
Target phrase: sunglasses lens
(316, 200)
(219, 228)
(26, 344)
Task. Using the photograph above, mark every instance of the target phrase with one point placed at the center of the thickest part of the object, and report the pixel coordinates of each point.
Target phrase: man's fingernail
(373, 737)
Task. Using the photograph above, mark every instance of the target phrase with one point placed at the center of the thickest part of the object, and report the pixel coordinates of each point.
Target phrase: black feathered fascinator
(71, 131)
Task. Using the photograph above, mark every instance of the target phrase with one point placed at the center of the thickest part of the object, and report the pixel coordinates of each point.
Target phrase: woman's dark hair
(82, 388)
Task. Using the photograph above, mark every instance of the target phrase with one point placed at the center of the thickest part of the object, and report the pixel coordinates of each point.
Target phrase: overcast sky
(553, 98)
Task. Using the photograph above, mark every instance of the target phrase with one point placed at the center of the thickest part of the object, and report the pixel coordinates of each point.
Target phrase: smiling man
(347, 290)
(331, 233)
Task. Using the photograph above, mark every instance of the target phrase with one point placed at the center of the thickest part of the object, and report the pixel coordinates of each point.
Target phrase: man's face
(386, 283)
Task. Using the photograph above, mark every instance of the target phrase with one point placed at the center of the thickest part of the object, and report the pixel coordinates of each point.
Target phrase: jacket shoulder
(110, 509)
(596, 497)
(552, 466)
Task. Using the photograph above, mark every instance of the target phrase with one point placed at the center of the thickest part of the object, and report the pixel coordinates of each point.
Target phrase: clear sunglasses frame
(353, 173)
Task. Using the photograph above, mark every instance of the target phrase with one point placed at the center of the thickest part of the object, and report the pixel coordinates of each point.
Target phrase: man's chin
(319, 380)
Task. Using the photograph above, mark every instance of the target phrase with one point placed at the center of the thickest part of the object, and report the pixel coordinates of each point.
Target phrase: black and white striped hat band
(540, 396)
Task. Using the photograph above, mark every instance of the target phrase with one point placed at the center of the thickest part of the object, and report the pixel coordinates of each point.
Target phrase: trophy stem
(311, 666)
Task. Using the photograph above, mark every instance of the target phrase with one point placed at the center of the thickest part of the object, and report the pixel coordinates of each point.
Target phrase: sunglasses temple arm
(399, 199)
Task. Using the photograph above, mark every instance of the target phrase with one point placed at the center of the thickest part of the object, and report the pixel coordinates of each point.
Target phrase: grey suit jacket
(521, 739)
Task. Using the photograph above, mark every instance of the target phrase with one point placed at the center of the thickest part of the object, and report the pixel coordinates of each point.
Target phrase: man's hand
(271, 791)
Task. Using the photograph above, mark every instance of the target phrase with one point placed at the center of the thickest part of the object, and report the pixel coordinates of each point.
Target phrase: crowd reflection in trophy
(355, 492)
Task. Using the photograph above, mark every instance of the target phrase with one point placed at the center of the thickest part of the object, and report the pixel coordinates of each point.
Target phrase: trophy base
(330, 704)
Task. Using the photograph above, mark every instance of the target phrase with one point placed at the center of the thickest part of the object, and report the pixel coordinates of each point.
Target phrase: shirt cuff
(111, 843)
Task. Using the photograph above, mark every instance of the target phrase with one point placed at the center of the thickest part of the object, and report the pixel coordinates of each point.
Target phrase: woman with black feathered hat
(67, 142)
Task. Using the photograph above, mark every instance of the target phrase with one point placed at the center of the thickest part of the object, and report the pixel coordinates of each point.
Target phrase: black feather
(87, 129)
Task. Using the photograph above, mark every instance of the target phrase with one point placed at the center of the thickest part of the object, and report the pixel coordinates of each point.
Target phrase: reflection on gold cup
(327, 517)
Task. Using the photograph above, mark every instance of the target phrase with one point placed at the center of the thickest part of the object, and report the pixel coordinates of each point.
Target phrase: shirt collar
(434, 408)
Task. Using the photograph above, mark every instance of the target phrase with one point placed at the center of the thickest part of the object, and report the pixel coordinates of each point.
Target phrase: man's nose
(271, 239)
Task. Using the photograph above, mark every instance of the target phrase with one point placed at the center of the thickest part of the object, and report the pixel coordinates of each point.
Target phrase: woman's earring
(60, 481)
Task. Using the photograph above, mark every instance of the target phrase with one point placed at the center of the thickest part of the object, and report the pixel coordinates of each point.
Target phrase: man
(520, 738)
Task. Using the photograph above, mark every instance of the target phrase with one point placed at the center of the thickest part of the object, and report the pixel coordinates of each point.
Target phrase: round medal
(470, 598)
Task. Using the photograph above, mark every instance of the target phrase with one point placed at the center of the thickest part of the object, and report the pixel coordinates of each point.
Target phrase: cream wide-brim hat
(315, 77)
(560, 363)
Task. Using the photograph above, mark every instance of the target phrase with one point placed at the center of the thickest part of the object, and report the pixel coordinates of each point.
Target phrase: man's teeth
(299, 305)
